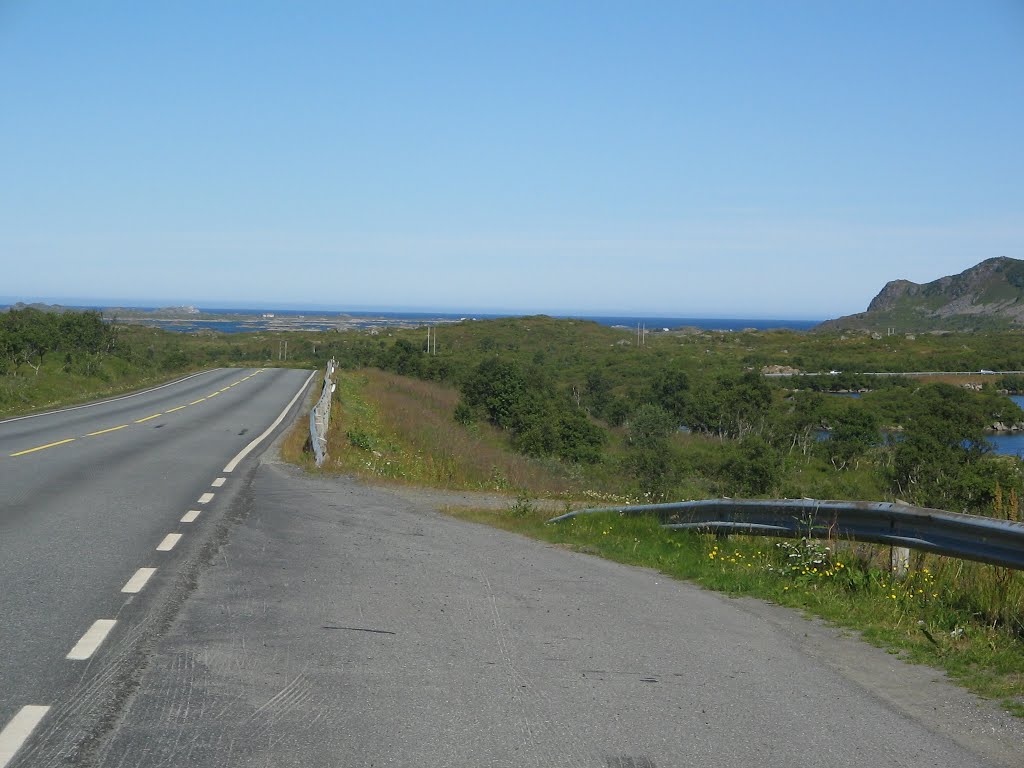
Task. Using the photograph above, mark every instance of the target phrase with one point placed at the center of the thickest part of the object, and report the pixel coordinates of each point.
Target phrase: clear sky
(775, 159)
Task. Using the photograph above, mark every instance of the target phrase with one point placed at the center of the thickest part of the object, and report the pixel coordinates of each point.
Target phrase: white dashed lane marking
(168, 543)
(138, 581)
(20, 728)
(91, 640)
(248, 449)
(16, 732)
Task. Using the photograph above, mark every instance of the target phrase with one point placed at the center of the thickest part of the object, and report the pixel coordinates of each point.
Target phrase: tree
(855, 429)
(404, 358)
(943, 440)
(670, 388)
(579, 440)
(31, 336)
(650, 458)
(730, 406)
(752, 467)
(650, 426)
(800, 426)
(499, 389)
(598, 392)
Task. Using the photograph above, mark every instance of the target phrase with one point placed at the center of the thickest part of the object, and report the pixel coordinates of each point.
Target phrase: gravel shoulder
(345, 624)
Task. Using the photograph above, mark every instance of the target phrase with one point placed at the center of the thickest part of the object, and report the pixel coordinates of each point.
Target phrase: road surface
(322, 622)
(91, 534)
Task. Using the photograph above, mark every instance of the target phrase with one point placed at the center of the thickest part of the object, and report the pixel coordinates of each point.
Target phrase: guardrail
(895, 373)
(320, 417)
(970, 537)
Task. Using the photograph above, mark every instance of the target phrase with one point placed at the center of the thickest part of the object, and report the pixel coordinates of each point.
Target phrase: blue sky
(753, 159)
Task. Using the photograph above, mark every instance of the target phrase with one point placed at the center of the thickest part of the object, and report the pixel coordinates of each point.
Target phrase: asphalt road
(88, 497)
(343, 625)
(314, 621)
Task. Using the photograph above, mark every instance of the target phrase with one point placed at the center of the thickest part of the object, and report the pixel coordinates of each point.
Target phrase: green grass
(55, 388)
(935, 616)
(394, 428)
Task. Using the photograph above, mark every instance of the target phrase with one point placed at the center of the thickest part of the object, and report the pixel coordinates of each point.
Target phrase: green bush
(357, 438)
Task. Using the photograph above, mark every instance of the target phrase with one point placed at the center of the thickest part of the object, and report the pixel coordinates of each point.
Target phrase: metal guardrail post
(320, 417)
(970, 537)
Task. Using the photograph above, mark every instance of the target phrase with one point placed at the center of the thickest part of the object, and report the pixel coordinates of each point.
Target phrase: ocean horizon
(650, 322)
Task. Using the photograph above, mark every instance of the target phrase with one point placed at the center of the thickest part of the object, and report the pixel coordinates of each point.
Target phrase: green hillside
(988, 296)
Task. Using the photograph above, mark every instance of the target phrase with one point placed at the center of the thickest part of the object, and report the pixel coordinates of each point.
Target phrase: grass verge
(961, 617)
(27, 395)
(393, 428)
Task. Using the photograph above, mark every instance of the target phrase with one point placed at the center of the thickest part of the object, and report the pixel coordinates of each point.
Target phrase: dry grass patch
(388, 426)
(295, 447)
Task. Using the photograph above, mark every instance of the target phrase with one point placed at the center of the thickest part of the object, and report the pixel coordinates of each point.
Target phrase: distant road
(100, 507)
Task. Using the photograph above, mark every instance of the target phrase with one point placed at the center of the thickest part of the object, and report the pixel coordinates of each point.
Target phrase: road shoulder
(343, 624)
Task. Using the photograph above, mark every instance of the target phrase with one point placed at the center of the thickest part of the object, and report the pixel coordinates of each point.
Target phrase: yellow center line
(43, 447)
(137, 421)
(104, 431)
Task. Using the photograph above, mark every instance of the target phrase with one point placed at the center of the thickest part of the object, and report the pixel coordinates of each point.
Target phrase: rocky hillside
(989, 295)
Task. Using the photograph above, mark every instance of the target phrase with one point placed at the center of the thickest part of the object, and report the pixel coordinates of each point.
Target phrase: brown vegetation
(402, 429)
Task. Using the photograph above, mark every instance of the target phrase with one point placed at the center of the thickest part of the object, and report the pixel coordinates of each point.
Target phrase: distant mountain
(986, 296)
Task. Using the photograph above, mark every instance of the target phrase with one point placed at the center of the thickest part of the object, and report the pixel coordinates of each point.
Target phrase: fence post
(899, 557)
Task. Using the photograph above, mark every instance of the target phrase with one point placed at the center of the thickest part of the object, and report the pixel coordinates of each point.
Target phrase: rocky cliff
(988, 295)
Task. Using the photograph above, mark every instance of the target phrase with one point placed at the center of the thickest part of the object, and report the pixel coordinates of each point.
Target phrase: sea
(1009, 443)
(1003, 443)
(258, 319)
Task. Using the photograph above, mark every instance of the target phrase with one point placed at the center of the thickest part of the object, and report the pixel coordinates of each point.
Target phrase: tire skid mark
(276, 699)
(572, 751)
(184, 667)
(295, 707)
(501, 643)
(59, 742)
